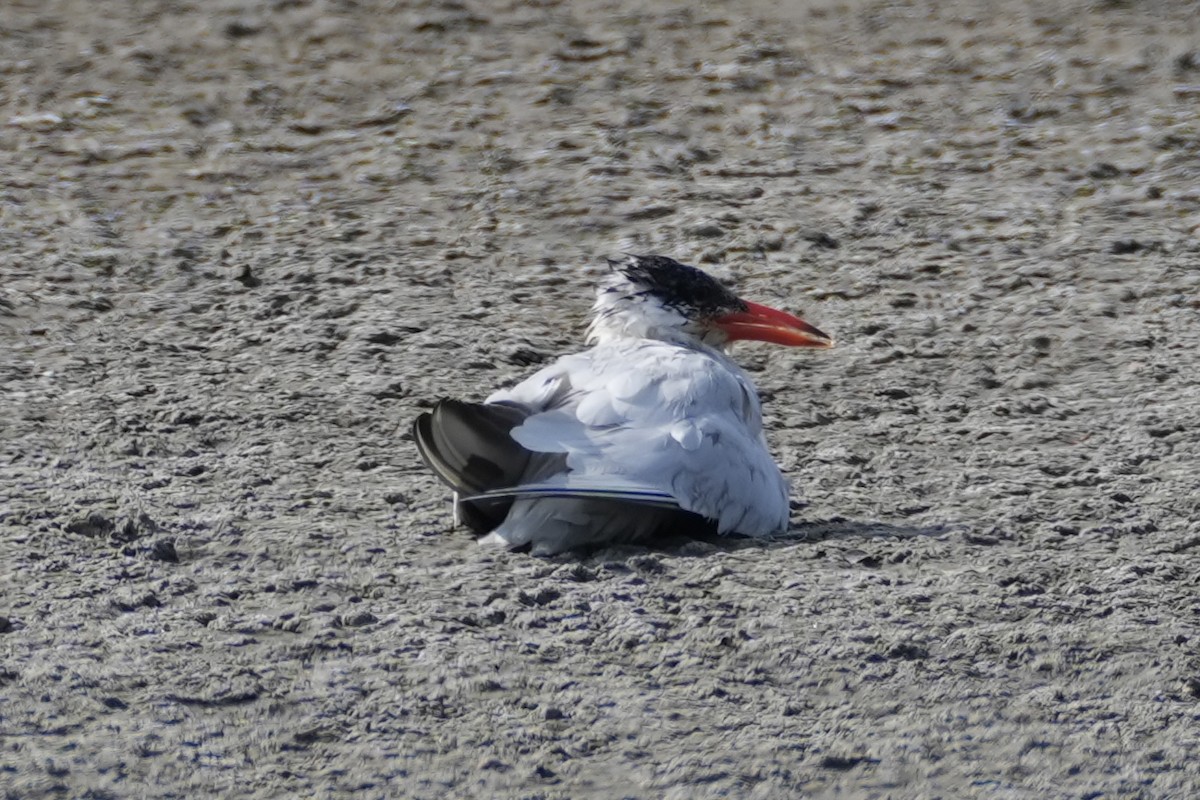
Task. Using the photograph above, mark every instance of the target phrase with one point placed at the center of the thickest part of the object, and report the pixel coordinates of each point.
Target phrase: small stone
(908, 651)
(1104, 171)
(92, 526)
(822, 240)
(247, 278)
(164, 550)
(385, 338)
(130, 600)
(1126, 246)
(840, 763)
(1187, 61)
(242, 28)
(524, 357)
(709, 230)
(649, 212)
(772, 242)
(388, 390)
(44, 121)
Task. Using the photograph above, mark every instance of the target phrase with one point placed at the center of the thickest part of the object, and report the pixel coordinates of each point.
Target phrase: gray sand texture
(243, 245)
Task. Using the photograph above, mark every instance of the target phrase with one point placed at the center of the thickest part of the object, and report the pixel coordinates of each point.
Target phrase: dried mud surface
(243, 244)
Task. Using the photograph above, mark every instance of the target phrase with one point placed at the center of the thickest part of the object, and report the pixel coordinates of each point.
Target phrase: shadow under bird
(653, 428)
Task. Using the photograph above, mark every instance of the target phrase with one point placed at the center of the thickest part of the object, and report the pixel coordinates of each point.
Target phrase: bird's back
(685, 421)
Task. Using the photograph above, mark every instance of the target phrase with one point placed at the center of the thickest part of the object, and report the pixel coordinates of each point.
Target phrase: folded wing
(647, 417)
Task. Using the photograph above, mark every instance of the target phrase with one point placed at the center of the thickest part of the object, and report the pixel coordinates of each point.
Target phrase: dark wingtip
(422, 431)
(469, 446)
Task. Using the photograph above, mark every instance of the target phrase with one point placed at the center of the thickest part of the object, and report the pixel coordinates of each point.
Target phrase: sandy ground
(243, 244)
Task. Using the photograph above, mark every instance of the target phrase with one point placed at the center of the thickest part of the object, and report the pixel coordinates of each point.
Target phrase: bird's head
(655, 297)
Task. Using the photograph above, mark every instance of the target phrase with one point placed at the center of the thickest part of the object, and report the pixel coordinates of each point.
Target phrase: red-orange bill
(765, 324)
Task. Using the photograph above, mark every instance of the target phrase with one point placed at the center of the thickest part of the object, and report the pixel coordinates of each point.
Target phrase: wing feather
(655, 417)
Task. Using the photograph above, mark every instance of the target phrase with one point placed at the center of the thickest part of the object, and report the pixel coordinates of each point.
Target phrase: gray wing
(659, 419)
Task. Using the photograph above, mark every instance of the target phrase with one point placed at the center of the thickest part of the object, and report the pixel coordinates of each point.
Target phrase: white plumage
(655, 417)
(661, 417)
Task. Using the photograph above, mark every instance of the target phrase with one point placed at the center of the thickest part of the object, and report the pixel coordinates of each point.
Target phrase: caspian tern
(653, 426)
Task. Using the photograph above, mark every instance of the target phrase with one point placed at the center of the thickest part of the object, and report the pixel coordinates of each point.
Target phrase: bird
(652, 429)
